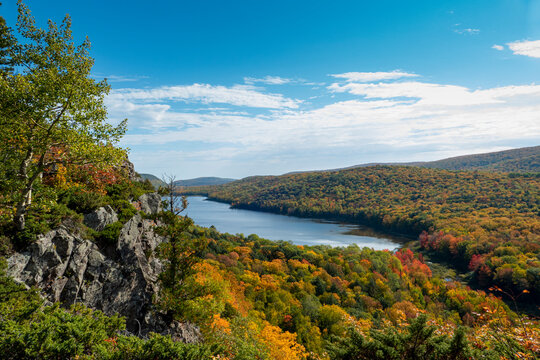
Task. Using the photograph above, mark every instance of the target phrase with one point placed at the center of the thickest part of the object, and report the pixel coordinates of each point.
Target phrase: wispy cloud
(435, 94)
(526, 48)
(373, 76)
(395, 116)
(238, 95)
(498, 47)
(270, 80)
(119, 78)
(467, 31)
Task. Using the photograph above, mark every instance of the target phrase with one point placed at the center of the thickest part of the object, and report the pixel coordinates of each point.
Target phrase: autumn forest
(98, 263)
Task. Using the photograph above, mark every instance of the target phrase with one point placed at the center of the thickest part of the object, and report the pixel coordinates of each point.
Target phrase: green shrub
(28, 330)
(157, 347)
(39, 220)
(417, 341)
(128, 190)
(80, 200)
(109, 235)
(5, 245)
(124, 209)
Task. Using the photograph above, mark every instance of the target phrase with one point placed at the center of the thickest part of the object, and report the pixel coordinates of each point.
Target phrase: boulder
(69, 269)
(100, 218)
(150, 203)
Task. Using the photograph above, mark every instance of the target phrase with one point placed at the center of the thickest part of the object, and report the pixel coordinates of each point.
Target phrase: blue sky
(238, 88)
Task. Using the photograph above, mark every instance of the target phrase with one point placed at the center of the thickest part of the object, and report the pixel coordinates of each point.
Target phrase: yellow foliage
(275, 266)
(269, 282)
(220, 324)
(251, 278)
(282, 345)
(61, 178)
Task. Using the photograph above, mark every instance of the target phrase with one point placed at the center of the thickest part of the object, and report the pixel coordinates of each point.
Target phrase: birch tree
(51, 110)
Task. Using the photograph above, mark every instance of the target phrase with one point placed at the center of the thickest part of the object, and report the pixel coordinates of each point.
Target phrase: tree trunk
(26, 198)
(20, 221)
(26, 194)
(23, 204)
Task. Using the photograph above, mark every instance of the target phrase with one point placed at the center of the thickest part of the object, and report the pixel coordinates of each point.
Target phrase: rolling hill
(521, 160)
(487, 222)
(203, 181)
(525, 159)
(157, 182)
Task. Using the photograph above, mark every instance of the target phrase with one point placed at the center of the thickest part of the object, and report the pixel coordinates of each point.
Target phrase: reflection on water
(299, 231)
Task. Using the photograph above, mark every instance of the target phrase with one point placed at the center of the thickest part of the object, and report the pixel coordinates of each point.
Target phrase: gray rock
(184, 332)
(150, 203)
(100, 218)
(128, 168)
(69, 269)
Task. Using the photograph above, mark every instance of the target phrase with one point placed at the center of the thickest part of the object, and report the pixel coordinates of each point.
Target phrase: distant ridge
(526, 159)
(157, 182)
(201, 181)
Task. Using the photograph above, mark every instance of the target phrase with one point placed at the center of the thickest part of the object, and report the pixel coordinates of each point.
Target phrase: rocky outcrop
(100, 218)
(150, 203)
(128, 168)
(69, 269)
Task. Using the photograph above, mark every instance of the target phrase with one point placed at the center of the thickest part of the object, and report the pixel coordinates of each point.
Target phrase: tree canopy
(6, 42)
(51, 109)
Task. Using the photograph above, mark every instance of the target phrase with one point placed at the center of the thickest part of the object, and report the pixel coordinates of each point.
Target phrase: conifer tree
(417, 341)
(181, 252)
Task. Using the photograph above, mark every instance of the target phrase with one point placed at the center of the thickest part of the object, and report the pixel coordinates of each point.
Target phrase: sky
(240, 88)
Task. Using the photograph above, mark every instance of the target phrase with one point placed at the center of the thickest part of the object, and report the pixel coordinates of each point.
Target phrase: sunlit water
(299, 231)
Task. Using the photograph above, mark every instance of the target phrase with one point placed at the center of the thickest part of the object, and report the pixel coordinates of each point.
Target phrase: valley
(396, 258)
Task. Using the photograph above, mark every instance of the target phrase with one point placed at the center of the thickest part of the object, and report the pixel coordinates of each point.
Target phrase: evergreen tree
(180, 253)
(417, 341)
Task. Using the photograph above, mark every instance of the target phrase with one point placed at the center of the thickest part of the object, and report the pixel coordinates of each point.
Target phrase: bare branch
(175, 203)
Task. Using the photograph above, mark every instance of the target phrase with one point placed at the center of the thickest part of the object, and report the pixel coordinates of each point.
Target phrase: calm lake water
(299, 231)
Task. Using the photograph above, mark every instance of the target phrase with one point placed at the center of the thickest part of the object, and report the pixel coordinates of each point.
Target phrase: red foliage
(477, 260)
(413, 265)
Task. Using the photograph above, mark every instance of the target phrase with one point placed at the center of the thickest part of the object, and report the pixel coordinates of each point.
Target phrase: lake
(299, 231)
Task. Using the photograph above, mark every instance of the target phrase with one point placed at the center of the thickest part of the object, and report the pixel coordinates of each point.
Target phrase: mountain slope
(516, 160)
(157, 182)
(202, 181)
(473, 219)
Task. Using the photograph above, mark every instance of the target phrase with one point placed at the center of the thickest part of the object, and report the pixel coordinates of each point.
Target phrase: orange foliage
(220, 324)
(282, 345)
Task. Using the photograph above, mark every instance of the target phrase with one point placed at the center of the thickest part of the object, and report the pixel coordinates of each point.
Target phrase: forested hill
(486, 222)
(523, 160)
(94, 266)
(154, 180)
(516, 160)
(202, 181)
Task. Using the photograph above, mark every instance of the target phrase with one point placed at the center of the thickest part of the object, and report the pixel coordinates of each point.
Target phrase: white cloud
(448, 119)
(270, 80)
(119, 78)
(373, 76)
(425, 93)
(498, 47)
(467, 31)
(436, 94)
(238, 95)
(501, 115)
(526, 48)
